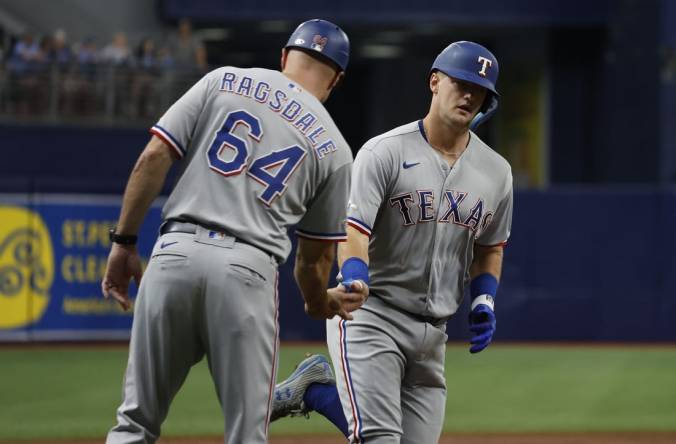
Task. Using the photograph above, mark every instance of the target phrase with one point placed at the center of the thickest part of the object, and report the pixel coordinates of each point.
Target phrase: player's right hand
(124, 263)
(348, 297)
(340, 302)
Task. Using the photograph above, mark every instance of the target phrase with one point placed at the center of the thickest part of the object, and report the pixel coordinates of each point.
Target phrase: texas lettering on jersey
(292, 111)
(456, 209)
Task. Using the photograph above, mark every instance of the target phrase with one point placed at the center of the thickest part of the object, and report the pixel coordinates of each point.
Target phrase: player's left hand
(482, 324)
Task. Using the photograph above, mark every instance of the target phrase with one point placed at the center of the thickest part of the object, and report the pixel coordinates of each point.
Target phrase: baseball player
(258, 153)
(429, 212)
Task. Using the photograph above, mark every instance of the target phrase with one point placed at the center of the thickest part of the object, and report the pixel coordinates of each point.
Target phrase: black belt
(179, 226)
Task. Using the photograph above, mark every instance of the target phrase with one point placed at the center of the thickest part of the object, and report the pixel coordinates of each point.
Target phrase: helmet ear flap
(490, 103)
(489, 108)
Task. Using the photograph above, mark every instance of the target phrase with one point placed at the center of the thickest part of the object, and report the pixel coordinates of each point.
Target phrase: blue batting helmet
(472, 63)
(324, 39)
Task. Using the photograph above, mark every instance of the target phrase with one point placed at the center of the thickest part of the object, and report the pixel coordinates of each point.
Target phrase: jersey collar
(421, 127)
(422, 130)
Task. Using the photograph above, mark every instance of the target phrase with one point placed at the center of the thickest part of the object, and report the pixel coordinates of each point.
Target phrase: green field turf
(73, 392)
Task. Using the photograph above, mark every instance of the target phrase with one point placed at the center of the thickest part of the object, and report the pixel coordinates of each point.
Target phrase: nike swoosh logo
(410, 165)
(166, 244)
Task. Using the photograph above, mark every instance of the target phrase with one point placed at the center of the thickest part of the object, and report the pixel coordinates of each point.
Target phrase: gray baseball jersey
(259, 154)
(423, 218)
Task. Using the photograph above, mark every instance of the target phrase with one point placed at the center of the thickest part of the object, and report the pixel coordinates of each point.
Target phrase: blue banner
(53, 252)
(581, 264)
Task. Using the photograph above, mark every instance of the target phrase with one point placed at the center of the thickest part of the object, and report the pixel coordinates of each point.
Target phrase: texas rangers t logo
(485, 63)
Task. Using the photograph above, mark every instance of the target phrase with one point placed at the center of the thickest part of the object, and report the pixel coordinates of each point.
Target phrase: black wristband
(122, 239)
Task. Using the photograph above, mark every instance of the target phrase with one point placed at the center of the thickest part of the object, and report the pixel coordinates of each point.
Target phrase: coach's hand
(351, 296)
(482, 324)
(124, 263)
(339, 302)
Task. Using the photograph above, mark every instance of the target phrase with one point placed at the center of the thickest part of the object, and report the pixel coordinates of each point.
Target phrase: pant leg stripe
(273, 375)
(356, 414)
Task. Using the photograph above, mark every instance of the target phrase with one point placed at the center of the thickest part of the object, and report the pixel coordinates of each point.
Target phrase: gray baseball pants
(390, 374)
(202, 294)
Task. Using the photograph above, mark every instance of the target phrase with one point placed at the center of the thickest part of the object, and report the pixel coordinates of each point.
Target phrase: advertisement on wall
(53, 252)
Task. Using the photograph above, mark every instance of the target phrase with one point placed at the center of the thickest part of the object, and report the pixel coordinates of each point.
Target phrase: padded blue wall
(583, 263)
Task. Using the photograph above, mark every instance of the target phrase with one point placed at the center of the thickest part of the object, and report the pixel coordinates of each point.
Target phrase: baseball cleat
(288, 397)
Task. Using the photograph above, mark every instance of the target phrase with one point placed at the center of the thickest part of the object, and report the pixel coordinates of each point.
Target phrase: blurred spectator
(189, 57)
(49, 75)
(24, 77)
(165, 58)
(118, 57)
(117, 52)
(80, 85)
(188, 51)
(146, 56)
(87, 53)
(59, 58)
(61, 55)
(25, 53)
(44, 55)
(144, 84)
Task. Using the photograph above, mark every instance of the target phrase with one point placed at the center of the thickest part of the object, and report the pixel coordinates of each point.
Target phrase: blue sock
(324, 399)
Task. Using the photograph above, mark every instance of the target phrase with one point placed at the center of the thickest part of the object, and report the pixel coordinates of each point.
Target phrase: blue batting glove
(482, 324)
(354, 269)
